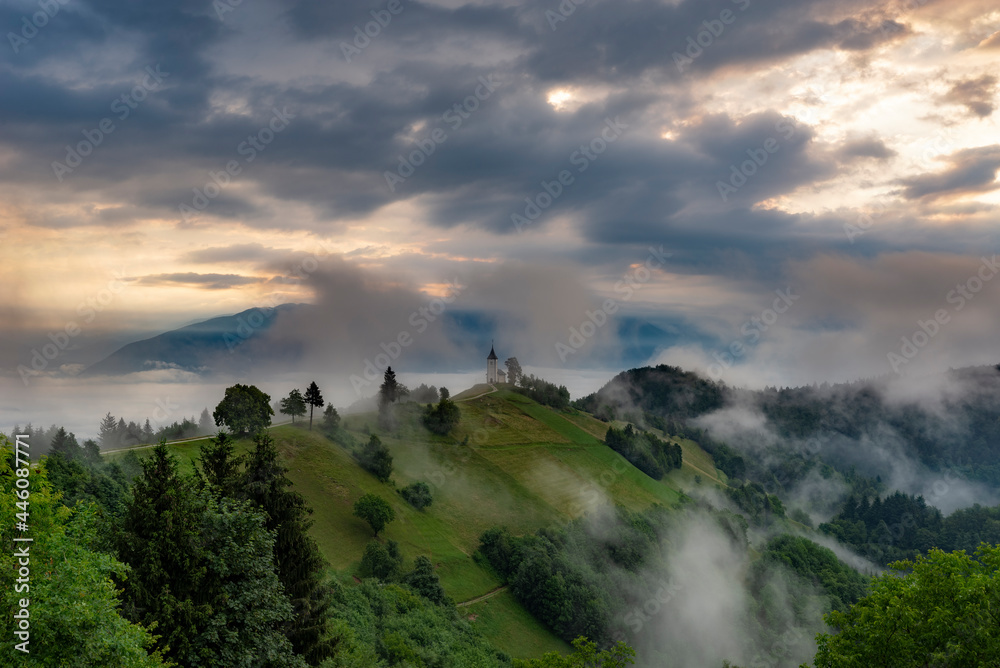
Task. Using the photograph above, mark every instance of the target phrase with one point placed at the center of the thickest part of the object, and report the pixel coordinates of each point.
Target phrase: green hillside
(510, 461)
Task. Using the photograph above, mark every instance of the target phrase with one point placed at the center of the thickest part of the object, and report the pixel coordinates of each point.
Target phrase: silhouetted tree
(294, 404)
(314, 399)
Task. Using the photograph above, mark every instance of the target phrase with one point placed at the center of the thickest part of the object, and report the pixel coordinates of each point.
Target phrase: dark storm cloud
(972, 170)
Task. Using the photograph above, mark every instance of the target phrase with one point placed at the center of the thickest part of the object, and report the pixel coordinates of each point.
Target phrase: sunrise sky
(648, 108)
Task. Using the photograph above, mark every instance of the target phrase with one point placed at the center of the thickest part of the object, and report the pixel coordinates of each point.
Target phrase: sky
(797, 191)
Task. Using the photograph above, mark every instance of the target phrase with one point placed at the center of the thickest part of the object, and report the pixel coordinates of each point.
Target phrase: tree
(91, 452)
(109, 431)
(204, 422)
(65, 444)
(298, 561)
(147, 432)
(314, 399)
(331, 419)
(294, 404)
(444, 417)
(375, 510)
(514, 371)
(382, 562)
(390, 391)
(585, 656)
(244, 410)
(939, 610)
(417, 495)
(423, 580)
(445, 394)
(220, 466)
(75, 610)
(202, 570)
(376, 459)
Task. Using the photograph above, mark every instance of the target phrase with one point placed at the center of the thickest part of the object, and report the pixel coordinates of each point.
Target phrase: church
(493, 373)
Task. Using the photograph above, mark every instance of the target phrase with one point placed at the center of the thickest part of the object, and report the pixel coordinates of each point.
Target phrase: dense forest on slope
(952, 424)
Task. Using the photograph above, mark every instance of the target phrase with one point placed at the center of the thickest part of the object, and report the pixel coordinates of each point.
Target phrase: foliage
(315, 400)
(575, 582)
(331, 420)
(423, 580)
(816, 564)
(375, 458)
(664, 390)
(514, 371)
(244, 410)
(940, 610)
(202, 571)
(375, 510)
(544, 392)
(386, 625)
(294, 404)
(221, 467)
(383, 562)
(74, 610)
(298, 562)
(422, 394)
(760, 507)
(644, 451)
(585, 656)
(444, 417)
(417, 495)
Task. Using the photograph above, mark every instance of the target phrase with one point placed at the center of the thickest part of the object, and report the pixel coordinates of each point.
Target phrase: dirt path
(489, 594)
(182, 440)
(457, 401)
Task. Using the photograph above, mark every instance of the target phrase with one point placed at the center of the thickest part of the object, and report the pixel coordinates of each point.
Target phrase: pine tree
(202, 570)
(205, 424)
(314, 399)
(108, 431)
(147, 432)
(221, 466)
(297, 557)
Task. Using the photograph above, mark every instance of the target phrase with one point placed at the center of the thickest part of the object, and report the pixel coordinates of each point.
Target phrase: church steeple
(491, 366)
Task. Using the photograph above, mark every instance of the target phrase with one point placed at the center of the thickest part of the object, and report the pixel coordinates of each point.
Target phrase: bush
(417, 495)
(444, 417)
(376, 459)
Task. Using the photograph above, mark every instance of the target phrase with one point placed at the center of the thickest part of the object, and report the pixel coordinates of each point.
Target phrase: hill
(510, 461)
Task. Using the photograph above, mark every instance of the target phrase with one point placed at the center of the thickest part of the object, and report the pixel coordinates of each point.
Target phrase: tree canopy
(294, 404)
(375, 510)
(244, 410)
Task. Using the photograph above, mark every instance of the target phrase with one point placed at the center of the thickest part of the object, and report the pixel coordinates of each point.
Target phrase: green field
(510, 461)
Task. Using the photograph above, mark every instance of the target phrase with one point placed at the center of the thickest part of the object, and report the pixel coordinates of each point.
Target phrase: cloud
(971, 171)
(866, 147)
(977, 95)
(991, 42)
(205, 281)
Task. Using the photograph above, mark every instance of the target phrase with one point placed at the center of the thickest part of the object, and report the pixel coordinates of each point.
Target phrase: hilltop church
(493, 373)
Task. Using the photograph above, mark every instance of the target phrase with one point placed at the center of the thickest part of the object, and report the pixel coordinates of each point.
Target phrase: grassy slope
(523, 466)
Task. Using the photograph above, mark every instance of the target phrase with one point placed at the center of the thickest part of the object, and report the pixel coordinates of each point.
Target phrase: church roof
(493, 355)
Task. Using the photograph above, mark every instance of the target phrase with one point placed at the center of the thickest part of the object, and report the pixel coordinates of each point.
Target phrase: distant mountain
(227, 344)
(240, 343)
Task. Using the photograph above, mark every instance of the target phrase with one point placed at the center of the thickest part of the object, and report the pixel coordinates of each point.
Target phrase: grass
(510, 461)
(512, 628)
